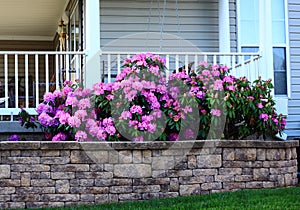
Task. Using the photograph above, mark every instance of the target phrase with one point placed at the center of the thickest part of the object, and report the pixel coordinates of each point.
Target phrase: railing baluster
(26, 81)
(6, 79)
(47, 72)
(215, 60)
(109, 68)
(168, 67)
(67, 67)
(119, 63)
(57, 72)
(195, 62)
(16, 79)
(37, 94)
(186, 60)
(177, 63)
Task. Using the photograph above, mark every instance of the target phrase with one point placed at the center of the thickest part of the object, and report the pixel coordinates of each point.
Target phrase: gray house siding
(197, 23)
(293, 120)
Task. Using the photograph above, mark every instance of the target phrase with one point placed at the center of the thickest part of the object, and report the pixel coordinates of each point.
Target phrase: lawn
(281, 198)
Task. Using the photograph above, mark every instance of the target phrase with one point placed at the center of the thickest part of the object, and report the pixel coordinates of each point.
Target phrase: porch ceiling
(30, 19)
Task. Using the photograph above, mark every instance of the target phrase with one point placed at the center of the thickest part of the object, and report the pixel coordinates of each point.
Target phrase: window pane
(277, 9)
(251, 50)
(280, 83)
(278, 22)
(279, 62)
(278, 32)
(279, 65)
(249, 20)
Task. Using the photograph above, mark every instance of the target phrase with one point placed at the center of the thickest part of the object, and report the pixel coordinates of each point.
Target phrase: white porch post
(92, 40)
(224, 30)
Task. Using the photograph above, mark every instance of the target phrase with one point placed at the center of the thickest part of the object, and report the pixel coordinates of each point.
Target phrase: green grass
(280, 198)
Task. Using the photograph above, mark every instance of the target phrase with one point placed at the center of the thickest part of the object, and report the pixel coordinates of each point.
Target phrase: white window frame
(281, 100)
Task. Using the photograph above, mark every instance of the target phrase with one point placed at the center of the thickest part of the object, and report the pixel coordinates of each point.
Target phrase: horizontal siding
(197, 23)
(233, 25)
(293, 120)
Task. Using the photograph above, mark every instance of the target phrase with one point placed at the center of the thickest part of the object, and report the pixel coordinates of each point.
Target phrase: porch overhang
(30, 19)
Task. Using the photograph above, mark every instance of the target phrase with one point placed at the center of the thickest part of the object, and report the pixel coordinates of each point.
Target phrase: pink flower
(72, 101)
(218, 85)
(80, 114)
(173, 137)
(84, 103)
(189, 134)
(230, 87)
(264, 117)
(111, 130)
(136, 109)
(74, 122)
(259, 105)
(138, 139)
(187, 109)
(80, 136)
(216, 112)
(59, 137)
(63, 117)
(49, 97)
(205, 73)
(203, 63)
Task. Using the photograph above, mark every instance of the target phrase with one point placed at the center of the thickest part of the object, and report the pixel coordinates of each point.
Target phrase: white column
(92, 42)
(224, 29)
(265, 34)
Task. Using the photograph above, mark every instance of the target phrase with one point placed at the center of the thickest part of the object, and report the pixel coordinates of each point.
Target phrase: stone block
(203, 172)
(25, 198)
(192, 180)
(59, 197)
(62, 175)
(94, 175)
(192, 161)
(211, 186)
(70, 167)
(193, 189)
(146, 189)
(36, 190)
(125, 156)
(49, 153)
(245, 154)
(21, 160)
(174, 185)
(55, 160)
(129, 197)
(62, 186)
(102, 198)
(42, 183)
(87, 197)
(7, 190)
(229, 186)
(261, 154)
(230, 171)
(81, 157)
(137, 156)
(224, 178)
(4, 171)
(254, 185)
(261, 174)
(228, 154)
(243, 178)
(132, 170)
(10, 183)
(209, 161)
(273, 154)
(147, 156)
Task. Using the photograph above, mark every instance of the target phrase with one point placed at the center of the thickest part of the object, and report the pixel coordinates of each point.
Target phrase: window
(75, 27)
(279, 47)
(250, 34)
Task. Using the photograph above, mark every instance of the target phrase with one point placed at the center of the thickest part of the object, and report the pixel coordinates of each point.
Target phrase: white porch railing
(240, 64)
(25, 76)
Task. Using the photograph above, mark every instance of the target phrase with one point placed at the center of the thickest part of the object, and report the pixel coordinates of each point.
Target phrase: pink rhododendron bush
(144, 104)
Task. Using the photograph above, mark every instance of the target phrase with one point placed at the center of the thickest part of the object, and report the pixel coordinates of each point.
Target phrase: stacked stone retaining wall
(39, 174)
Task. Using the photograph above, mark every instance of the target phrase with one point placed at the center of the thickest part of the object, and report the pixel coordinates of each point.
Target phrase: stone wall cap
(44, 145)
